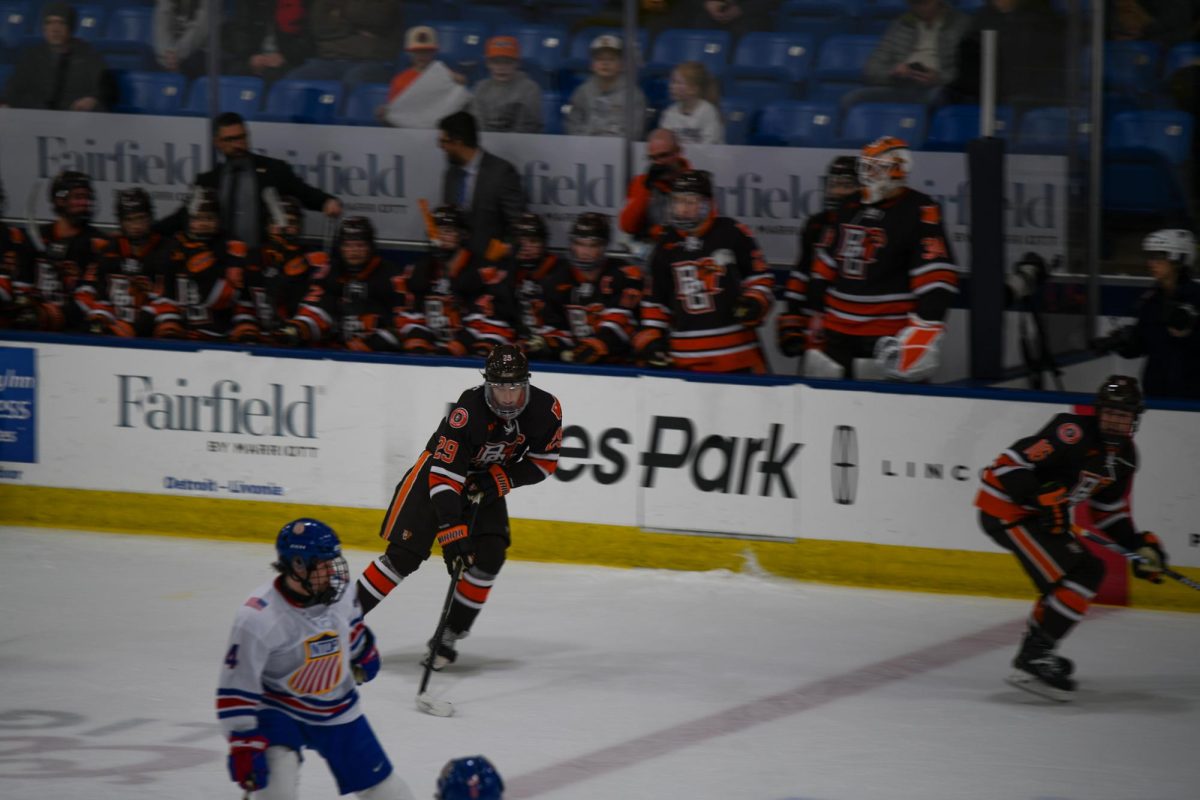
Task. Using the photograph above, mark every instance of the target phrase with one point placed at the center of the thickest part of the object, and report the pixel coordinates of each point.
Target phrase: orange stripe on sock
(476, 594)
(378, 580)
(1072, 599)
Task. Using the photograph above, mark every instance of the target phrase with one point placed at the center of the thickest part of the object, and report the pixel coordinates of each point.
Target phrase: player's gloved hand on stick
(456, 545)
(366, 666)
(749, 310)
(487, 487)
(1055, 506)
(589, 351)
(654, 353)
(248, 759)
(1155, 559)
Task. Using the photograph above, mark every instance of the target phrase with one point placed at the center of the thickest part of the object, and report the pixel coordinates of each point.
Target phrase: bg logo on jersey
(18, 404)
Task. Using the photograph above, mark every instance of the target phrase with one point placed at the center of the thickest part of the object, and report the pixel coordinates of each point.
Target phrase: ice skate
(1041, 671)
(444, 653)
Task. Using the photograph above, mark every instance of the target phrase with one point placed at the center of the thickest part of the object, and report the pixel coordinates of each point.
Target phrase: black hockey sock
(469, 596)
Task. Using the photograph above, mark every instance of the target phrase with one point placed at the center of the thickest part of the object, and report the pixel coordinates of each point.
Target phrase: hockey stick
(35, 235)
(1129, 555)
(431, 705)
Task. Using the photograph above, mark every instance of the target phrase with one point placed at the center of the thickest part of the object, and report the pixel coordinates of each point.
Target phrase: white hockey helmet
(883, 166)
(1178, 244)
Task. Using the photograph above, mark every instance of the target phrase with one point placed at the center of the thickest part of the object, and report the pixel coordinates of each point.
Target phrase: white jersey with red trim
(291, 659)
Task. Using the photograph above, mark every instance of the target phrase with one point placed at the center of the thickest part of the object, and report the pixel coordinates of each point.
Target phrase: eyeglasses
(661, 156)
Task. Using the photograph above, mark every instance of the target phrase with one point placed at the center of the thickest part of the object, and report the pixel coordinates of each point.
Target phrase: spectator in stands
(735, 16)
(181, 35)
(486, 187)
(428, 90)
(1165, 21)
(1031, 55)
(61, 72)
(266, 38)
(240, 180)
(694, 117)
(508, 101)
(355, 40)
(648, 199)
(916, 57)
(598, 104)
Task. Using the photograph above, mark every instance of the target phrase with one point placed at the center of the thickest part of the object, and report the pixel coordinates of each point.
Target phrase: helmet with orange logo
(883, 168)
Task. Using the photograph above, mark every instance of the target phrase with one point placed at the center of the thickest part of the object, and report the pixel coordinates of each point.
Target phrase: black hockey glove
(487, 487)
(1151, 550)
(456, 546)
(656, 173)
(749, 310)
(589, 351)
(1056, 507)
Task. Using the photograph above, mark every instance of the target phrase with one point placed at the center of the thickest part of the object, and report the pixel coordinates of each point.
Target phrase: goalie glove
(913, 353)
(1154, 559)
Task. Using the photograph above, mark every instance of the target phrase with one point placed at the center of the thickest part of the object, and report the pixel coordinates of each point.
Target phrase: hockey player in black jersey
(1025, 506)
(796, 325)
(116, 292)
(499, 436)
(280, 279)
(536, 271)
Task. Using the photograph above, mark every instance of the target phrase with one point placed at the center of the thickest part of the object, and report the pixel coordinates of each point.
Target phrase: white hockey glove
(912, 354)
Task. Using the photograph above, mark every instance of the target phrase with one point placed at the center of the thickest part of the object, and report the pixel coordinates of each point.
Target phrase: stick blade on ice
(431, 705)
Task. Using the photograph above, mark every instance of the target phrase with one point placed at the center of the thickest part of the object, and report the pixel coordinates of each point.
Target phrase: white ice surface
(595, 684)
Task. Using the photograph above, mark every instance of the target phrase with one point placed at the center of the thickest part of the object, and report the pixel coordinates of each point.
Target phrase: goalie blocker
(883, 276)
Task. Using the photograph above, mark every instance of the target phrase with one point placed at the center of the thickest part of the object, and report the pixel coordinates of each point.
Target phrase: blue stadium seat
(1130, 67)
(579, 55)
(657, 91)
(460, 44)
(15, 23)
(819, 8)
(738, 115)
(302, 101)
(866, 122)
(429, 13)
(90, 21)
(362, 102)
(131, 24)
(882, 9)
(1143, 183)
(762, 90)
(842, 58)
(709, 47)
(1165, 131)
(544, 45)
(1047, 131)
(951, 127)
(1180, 54)
(5, 71)
(774, 55)
(820, 28)
(552, 114)
(240, 93)
(131, 56)
(150, 92)
(796, 122)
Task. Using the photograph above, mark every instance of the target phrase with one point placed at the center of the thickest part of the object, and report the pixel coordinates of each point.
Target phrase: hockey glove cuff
(1154, 559)
(1056, 508)
(366, 665)
(456, 545)
(750, 309)
(485, 488)
(248, 759)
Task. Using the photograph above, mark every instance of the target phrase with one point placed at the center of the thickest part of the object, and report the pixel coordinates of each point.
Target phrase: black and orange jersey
(472, 438)
(1068, 451)
(600, 307)
(16, 256)
(878, 263)
(117, 288)
(359, 306)
(53, 274)
(533, 281)
(489, 299)
(693, 283)
(201, 282)
(793, 322)
(280, 280)
(436, 320)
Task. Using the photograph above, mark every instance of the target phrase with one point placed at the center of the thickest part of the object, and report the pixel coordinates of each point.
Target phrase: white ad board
(382, 172)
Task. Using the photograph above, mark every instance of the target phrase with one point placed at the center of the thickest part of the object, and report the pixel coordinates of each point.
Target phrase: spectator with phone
(916, 56)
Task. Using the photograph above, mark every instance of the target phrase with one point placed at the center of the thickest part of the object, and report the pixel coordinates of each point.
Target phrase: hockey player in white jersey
(297, 652)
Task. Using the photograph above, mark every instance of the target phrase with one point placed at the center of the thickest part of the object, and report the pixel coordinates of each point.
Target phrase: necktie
(458, 186)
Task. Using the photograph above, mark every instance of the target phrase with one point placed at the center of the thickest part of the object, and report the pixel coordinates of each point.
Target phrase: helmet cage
(883, 167)
(309, 550)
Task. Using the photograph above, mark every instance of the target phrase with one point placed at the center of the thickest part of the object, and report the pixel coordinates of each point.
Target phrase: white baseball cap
(606, 41)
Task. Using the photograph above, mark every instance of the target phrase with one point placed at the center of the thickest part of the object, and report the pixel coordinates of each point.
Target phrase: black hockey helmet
(203, 201)
(530, 225)
(693, 181)
(133, 201)
(1119, 404)
(77, 208)
(356, 229)
(591, 225)
(841, 180)
(506, 381)
(450, 217)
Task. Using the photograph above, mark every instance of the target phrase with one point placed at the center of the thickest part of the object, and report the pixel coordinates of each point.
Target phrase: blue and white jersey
(291, 659)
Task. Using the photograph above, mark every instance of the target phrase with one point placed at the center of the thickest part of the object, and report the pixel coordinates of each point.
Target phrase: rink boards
(808, 481)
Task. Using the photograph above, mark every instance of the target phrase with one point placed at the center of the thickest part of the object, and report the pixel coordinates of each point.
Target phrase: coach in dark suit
(240, 180)
(486, 187)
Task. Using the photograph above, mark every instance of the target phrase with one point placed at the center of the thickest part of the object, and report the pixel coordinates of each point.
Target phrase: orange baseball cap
(502, 47)
(422, 37)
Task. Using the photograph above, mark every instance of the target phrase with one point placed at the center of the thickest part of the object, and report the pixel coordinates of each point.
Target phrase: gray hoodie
(508, 107)
(597, 113)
